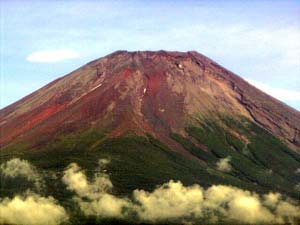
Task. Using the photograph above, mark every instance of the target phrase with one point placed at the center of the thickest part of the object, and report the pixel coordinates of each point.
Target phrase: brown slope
(144, 92)
(273, 115)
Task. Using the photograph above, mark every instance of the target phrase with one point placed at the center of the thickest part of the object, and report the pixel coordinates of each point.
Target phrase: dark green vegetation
(260, 161)
(257, 158)
(136, 162)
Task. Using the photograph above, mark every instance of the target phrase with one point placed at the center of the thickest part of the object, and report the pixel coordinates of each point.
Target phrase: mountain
(145, 92)
(156, 116)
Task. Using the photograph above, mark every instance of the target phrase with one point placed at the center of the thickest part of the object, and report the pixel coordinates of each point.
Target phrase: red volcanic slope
(144, 92)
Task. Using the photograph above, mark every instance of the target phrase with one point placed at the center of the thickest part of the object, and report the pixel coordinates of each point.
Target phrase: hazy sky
(43, 40)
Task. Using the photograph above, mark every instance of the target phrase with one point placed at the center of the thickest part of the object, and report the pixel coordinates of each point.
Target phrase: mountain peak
(156, 92)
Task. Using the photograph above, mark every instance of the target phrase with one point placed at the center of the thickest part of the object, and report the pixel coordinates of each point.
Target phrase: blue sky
(43, 40)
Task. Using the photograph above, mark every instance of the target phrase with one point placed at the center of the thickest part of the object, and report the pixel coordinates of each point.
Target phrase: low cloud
(216, 204)
(31, 210)
(224, 164)
(28, 208)
(171, 202)
(236, 205)
(50, 56)
(21, 168)
(174, 202)
(94, 198)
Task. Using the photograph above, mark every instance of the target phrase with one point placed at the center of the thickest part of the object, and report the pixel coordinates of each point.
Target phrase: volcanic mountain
(145, 92)
(157, 116)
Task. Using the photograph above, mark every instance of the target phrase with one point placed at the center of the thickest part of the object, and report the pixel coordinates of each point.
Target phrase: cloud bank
(174, 202)
(171, 202)
(51, 56)
(31, 210)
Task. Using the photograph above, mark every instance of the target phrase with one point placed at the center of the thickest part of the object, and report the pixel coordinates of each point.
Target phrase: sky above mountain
(43, 40)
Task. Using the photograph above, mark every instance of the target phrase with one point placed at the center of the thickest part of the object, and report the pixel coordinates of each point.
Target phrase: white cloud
(216, 204)
(49, 56)
(76, 180)
(28, 208)
(31, 210)
(22, 168)
(279, 93)
(170, 201)
(94, 197)
(224, 164)
(236, 204)
(174, 202)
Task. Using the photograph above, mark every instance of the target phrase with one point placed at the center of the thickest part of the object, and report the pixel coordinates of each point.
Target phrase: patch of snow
(145, 90)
